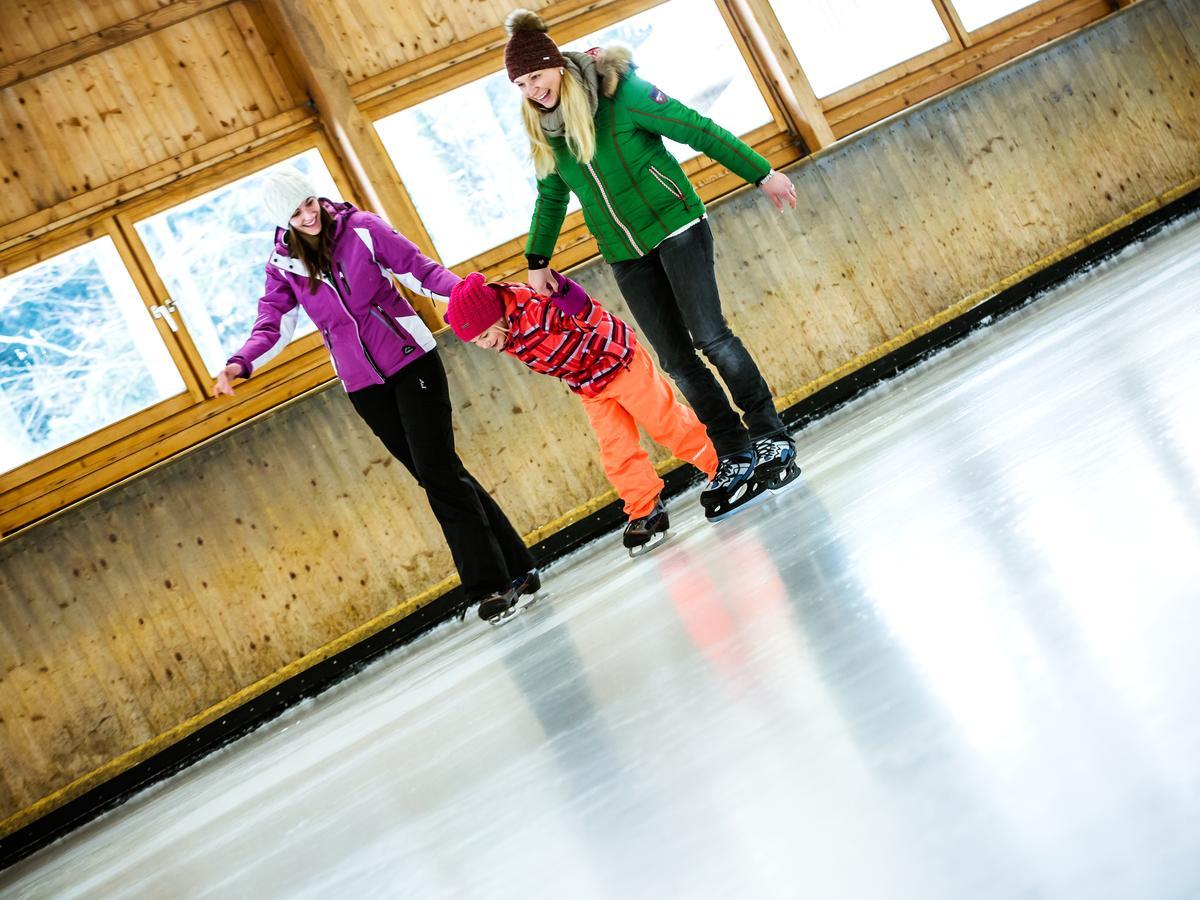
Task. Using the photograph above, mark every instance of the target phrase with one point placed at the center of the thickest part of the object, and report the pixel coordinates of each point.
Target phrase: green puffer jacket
(633, 192)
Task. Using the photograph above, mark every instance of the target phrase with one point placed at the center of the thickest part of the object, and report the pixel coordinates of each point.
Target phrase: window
(211, 253)
(977, 13)
(464, 157)
(78, 351)
(685, 48)
(841, 42)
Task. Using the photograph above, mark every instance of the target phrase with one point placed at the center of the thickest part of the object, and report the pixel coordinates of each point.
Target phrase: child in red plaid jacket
(572, 337)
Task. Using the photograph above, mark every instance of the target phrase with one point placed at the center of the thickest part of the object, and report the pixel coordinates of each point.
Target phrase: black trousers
(410, 413)
(672, 293)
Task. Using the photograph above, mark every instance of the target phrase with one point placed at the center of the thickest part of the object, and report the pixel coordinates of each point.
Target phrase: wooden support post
(762, 30)
(351, 134)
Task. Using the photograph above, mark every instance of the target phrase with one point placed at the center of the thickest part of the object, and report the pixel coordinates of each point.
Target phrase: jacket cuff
(241, 361)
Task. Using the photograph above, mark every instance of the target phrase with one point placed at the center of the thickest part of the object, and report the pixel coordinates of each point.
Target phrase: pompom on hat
(475, 306)
(283, 191)
(529, 47)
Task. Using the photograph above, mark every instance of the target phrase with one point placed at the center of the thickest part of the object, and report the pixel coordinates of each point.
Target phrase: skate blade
(744, 502)
(783, 485)
(755, 491)
(523, 603)
(642, 549)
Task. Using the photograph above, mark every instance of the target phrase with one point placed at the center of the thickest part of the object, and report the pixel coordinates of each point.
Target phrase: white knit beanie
(283, 191)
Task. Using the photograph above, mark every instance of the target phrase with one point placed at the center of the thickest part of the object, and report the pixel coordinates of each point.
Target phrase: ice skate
(647, 532)
(776, 468)
(500, 606)
(529, 583)
(732, 487)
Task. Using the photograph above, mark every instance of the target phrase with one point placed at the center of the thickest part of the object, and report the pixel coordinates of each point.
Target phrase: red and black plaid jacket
(569, 336)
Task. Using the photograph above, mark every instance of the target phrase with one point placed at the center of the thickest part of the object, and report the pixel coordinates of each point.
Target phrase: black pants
(672, 293)
(410, 413)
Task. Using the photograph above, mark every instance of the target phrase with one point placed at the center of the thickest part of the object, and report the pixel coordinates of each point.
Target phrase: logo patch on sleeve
(657, 96)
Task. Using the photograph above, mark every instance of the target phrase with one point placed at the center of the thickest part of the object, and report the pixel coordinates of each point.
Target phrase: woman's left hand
(780, 189)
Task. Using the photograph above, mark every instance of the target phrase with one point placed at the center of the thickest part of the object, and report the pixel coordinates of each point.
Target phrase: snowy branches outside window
(78, 351)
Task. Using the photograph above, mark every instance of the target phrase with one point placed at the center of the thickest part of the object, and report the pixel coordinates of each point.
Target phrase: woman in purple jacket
(335, 261)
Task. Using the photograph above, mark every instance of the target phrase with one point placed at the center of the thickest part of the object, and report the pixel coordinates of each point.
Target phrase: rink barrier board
(112, 784)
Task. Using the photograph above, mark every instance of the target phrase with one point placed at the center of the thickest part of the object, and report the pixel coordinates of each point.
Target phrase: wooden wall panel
(102, 119)
(142, 608)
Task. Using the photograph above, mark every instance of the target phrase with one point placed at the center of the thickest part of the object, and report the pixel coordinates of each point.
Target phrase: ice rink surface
(960, 660)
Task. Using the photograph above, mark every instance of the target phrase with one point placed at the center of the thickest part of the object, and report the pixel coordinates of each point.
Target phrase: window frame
(128, 218)
(774, 140)
(98, 461)
(974, 53)
(17, 260)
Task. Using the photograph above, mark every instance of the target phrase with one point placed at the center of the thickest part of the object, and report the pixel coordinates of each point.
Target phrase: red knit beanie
(475, 306)
(529, 47)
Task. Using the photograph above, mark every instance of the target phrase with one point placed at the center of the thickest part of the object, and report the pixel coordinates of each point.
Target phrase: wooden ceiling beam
(105, 39)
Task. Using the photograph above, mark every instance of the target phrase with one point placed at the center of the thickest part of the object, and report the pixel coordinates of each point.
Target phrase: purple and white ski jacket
(370, 330)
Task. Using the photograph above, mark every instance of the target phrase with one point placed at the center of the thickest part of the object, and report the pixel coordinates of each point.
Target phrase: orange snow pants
(640, 395)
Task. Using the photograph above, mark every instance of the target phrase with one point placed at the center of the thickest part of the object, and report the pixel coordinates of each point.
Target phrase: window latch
(166, 312)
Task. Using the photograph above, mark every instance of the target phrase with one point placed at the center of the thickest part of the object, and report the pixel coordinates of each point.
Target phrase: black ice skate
(501, 606)
(732, 487)
(529, 583)
(645, 533)
(777, 467)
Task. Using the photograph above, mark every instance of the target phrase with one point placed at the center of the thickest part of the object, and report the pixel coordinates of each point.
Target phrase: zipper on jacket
(332, 282)
(612, 212)
(329, 346)
(668, 184)
(382, 315)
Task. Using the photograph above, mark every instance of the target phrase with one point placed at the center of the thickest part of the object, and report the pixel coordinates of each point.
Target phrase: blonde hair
(578, 120)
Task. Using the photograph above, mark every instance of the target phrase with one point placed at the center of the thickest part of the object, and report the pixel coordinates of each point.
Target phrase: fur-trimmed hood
(612, 64)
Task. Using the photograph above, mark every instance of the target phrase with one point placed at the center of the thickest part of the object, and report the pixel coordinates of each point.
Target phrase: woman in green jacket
(596, 129)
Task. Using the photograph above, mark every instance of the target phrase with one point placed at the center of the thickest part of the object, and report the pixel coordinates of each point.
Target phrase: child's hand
(542, 281)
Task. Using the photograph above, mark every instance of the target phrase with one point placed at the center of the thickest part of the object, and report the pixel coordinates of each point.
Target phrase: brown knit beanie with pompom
(529, 47)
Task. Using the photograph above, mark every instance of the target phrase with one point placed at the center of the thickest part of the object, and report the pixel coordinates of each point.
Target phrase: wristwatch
(764, 178)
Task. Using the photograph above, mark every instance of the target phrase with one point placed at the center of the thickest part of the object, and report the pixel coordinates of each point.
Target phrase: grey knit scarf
(584, 68)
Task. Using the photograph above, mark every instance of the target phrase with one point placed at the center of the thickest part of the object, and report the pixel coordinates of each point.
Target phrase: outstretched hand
(781, 190)
(542, 281)
(224, 382)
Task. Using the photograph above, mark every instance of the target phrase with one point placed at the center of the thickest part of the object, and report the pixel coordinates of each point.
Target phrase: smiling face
(307, 217)
(494, 337)
(541, 86)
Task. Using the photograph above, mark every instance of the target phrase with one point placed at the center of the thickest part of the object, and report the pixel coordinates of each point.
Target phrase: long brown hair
(318, 259)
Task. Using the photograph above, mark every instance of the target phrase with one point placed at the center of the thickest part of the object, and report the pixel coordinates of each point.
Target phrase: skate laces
(771, 449)
(730, 468)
